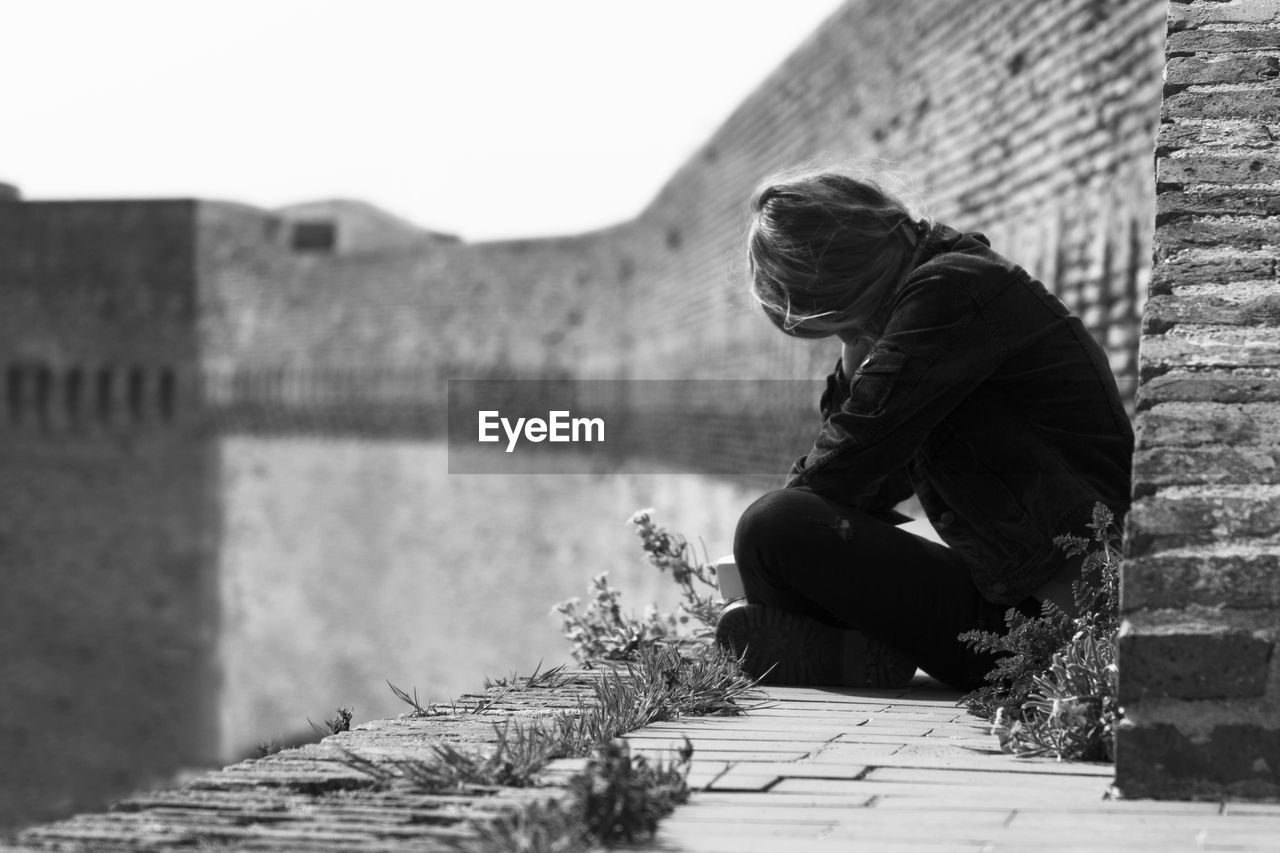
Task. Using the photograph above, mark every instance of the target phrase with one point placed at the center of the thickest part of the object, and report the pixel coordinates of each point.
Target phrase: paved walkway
(908, 770)
(885, 771)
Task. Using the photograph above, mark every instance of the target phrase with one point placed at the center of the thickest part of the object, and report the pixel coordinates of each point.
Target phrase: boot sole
(780, 647)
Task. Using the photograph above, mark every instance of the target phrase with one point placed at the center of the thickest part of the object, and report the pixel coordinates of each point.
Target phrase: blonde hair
(826, 250)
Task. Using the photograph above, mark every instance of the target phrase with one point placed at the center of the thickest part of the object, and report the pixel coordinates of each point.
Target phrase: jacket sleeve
(891, 489)
(833, 397)
(935, 350)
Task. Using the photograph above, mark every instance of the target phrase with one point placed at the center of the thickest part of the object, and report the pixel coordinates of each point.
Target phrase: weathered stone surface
(1247, 233)
(1211, 346)
(1178, 517)
(1186, 15)
(1185, 424)
(1241, 103)
(1215, 168)
(1234, 201)
(1241, 136)
(1156, 467)
(1217, 41)
(1183, 71)
(1160, 761)
(1241, 578)
(1193, 665)
(1212, 268)
(1256, 306)
(1215, 386)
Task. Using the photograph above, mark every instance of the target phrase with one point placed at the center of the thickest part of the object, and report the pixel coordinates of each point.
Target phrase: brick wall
(1200, 670)
(1033, 128)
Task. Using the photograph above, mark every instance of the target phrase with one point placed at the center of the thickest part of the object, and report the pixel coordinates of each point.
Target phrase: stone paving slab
(910, 771)
(808, 769)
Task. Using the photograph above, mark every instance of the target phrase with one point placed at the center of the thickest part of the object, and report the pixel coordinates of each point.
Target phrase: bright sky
(485, 118)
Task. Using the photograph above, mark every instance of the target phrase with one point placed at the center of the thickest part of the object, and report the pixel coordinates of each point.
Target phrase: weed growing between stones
(267, 747)
(1055, 691)
(603, 631)
(339, 722)
(617, 796)
(624, 796)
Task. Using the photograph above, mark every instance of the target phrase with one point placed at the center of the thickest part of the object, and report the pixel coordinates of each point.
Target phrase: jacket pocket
(872, 382)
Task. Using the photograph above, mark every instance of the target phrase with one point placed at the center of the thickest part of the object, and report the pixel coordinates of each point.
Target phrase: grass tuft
(339, 722)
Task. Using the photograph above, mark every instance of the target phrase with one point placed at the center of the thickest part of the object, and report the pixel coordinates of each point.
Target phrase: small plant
(623, 796)
(412, 701)
(603, 631)
(672, 553)
(339, 722)
(550, 678)
(1071, 712)
(1026, 648)
(268, 747)
(616, 798)
(1054, 691)
(431, 710)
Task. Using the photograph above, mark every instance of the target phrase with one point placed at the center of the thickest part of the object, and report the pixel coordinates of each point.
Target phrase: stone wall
(364, 341)
(1200, 670)
(107, 615)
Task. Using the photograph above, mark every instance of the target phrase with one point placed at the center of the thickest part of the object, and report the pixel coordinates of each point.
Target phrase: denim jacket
(987, 398)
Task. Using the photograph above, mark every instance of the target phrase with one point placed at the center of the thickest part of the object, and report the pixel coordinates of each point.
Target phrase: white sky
(487, 119)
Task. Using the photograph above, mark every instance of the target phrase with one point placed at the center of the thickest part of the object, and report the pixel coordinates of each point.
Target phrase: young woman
(962, 381)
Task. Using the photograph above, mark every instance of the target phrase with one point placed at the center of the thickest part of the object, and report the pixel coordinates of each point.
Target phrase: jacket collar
(941, 239)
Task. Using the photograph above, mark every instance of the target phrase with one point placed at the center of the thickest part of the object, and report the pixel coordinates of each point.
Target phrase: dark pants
(799, 552)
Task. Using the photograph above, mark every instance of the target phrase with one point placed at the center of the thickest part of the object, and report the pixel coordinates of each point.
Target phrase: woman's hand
(852, 354)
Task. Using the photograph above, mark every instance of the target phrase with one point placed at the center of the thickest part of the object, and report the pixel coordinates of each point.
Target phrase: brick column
(1199, 664)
